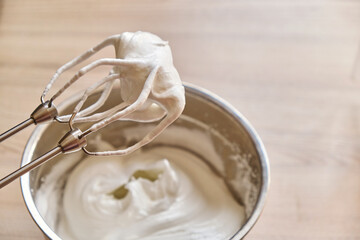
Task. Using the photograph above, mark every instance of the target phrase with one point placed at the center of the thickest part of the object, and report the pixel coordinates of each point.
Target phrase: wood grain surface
(289, 66)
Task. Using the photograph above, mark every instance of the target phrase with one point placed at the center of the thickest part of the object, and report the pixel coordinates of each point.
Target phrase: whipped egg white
(163, 193)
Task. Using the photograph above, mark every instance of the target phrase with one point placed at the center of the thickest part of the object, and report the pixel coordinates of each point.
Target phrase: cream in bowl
(204, 177)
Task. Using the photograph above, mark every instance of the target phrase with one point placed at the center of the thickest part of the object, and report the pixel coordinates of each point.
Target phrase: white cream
(150, 86)
(187, 201)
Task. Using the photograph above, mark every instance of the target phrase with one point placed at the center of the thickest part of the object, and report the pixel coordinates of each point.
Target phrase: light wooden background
(288, 66)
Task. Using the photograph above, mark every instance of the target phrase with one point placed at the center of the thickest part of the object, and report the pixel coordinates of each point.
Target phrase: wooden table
(289, 66)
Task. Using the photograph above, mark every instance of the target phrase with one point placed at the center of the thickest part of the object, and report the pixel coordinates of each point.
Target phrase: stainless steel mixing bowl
(243, 160)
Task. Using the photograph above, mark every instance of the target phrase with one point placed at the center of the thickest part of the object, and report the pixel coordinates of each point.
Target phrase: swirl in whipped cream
(185, 200)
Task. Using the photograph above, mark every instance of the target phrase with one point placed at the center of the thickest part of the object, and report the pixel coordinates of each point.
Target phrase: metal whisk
(151, 90)
(72, 141)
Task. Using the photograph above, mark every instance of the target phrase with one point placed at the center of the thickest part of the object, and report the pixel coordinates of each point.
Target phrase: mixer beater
(150, 89)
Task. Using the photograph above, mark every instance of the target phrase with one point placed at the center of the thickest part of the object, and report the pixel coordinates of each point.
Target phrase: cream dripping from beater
(150, 86)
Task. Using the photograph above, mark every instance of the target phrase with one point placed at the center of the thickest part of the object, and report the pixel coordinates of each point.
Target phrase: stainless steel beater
(151, 90)
(72, 141)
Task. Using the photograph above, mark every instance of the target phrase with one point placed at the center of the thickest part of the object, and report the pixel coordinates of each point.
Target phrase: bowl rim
(197, 91)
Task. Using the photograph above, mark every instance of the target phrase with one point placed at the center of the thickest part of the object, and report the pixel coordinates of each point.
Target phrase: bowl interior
(232, 149)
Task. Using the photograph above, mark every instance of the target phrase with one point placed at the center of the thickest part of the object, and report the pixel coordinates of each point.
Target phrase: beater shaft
(46, 111)
(16, 129)
(72, 141)
(33, 164)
